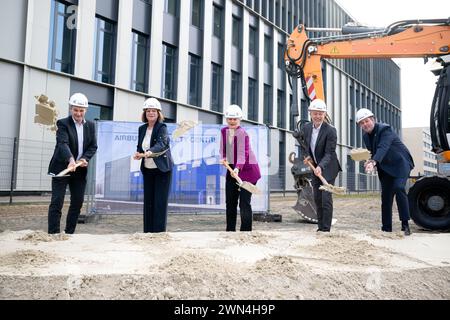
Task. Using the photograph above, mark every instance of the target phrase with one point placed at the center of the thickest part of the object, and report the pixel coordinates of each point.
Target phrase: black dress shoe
(318, 230)
(406, 230)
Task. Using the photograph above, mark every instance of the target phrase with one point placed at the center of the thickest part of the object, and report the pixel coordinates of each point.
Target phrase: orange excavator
(429, 197)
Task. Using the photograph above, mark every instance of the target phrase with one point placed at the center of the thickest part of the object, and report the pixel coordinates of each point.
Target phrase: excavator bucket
(305, 204)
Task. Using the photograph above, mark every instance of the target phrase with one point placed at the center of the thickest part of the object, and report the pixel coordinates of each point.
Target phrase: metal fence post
(268, 156)
(13, 170)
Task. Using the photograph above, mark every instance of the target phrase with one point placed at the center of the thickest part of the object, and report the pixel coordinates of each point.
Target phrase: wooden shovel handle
(319, 176)
(225, 163)
(66, 171)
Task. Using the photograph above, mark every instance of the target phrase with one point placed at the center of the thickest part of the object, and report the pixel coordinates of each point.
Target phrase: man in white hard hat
(320, 149)
(76, 144)
(393, 162)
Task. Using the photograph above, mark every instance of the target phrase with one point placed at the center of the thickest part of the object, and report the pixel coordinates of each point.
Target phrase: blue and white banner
(198, 179)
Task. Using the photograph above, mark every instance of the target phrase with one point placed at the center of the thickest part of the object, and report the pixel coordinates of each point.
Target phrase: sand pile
(219, 265)
(41, 236)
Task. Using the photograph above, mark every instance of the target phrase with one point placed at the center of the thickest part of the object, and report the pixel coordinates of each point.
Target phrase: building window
(97, 112)
(195, 80)
(264, 8)
(268, 117)
(169, 72)
(235, 88)
(104, 51)
(196, 13)
(253, 41)
(62, 39)
(216, 87)
(252, 99)
(139, 80)
(280, 56)
(171, 7)
(267, 49)
(281, 110)
(236, 37)
(218, 22)
(277, 13)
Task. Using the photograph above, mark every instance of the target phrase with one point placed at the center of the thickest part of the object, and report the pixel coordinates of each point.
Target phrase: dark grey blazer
(325, 150)
(67, 144)
(159, 142)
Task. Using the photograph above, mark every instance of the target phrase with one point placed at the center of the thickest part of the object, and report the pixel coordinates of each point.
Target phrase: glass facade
(195, 80)
(218, 22)
(216, 88)
(139, 71)
(169, 72)
(235, 88)
(105, 51)
(62, 38)
(196, 13)
(252, 99)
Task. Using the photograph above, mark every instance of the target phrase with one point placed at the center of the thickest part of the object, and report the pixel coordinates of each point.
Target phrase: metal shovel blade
(333, 189)
(249, 187)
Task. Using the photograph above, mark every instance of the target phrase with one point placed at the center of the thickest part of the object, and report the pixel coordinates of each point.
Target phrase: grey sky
(418, 83)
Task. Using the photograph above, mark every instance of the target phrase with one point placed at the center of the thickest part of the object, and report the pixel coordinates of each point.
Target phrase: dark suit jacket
(325, 150)
(67, 144)
(159, 141)
(388, 151)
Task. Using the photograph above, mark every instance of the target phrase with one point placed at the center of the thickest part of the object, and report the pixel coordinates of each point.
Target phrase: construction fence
(24, 163)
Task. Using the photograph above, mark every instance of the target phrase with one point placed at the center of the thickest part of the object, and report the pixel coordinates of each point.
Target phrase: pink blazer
(243, 157)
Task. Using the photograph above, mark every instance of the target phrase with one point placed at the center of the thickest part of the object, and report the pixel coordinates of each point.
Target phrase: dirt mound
(41, 236)
(26, 258)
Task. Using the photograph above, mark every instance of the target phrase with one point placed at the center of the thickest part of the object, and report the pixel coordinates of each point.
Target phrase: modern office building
(424, 159)
(197, 56)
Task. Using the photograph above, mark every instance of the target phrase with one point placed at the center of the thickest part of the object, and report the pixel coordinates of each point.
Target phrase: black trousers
(156, 199)
(233, 194)
(77, 187)
(324, 204)
(391, 186)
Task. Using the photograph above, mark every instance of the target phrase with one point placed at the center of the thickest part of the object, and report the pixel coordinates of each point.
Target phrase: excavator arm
(404, 39)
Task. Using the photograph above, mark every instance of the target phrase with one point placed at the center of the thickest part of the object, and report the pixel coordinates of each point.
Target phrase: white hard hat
(233, 111)
(152, 103)
(317, 105)
(362, 114)
(79, 100)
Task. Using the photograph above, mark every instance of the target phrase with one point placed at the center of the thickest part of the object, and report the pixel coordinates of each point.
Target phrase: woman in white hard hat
(76, 144)
(235, 148)
(153, 150)
(393, 162)
(320, 149)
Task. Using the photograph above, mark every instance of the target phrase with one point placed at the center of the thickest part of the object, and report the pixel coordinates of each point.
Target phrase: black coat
(159, 142)
(67, 144)
(388, 151)
(325, 150)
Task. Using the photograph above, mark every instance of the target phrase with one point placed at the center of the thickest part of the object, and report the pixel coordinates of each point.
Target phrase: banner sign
(198, 179)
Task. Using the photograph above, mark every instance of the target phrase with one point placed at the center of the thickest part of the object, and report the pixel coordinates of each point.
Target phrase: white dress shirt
(80, 136)
(314, 136)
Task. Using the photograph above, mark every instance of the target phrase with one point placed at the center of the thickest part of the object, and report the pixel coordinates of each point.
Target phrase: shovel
(154, 154)
(65, 172)
(242, 184)
(326, 186)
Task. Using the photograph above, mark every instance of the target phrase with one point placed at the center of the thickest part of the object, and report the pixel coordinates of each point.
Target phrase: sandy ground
(196, 259)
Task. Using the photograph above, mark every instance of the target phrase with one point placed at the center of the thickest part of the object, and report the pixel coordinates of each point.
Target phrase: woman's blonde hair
(160, 117)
